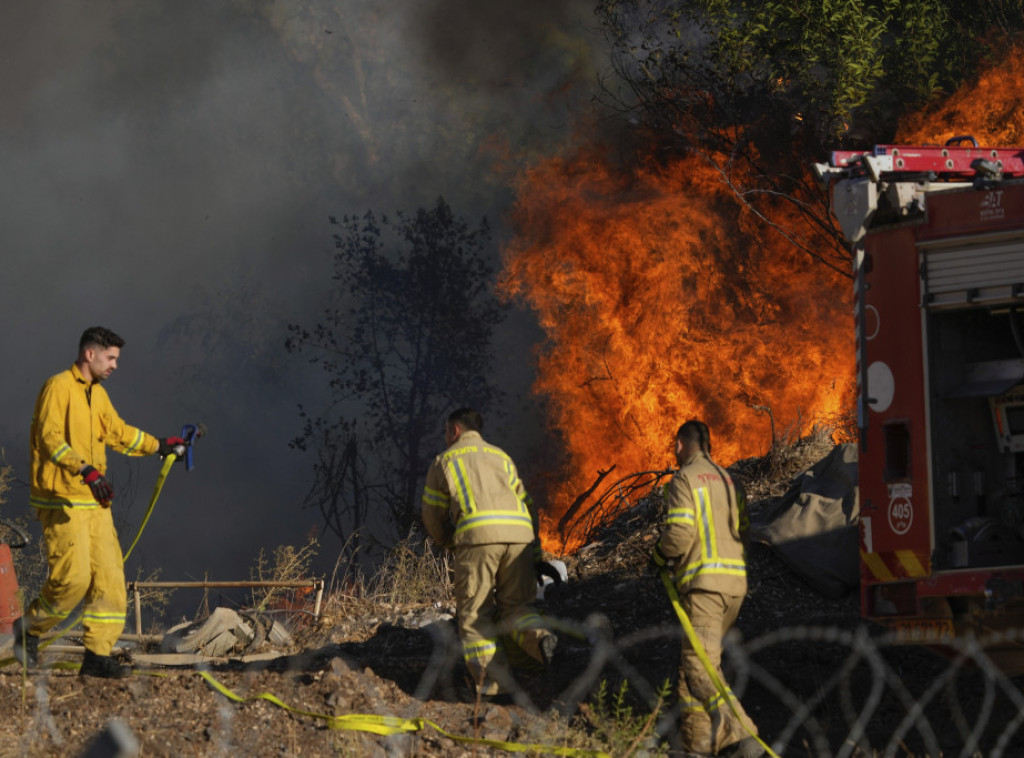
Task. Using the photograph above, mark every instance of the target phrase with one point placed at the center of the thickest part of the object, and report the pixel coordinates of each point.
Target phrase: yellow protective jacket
(705, 520)
(473, 496)
(72, 426)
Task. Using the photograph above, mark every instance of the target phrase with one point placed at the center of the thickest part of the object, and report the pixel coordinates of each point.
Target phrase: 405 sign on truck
(937, 234)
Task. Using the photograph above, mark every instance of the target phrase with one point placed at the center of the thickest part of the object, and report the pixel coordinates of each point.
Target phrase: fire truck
(937, 236)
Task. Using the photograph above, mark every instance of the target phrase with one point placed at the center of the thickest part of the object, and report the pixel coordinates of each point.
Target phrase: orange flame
(990, 109)
(661, 302)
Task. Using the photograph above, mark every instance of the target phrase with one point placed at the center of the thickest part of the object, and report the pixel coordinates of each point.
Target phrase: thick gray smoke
(167, 169)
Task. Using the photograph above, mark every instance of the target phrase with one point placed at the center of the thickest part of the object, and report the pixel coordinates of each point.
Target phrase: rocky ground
(793, 651)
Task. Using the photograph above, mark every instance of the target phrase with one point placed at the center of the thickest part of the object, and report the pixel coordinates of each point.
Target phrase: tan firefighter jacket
(705, 517)
(473, 496)
(72, 425)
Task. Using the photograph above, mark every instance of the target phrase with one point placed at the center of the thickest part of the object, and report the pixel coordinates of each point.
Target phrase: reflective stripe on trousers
(495, 586)
(85, 564)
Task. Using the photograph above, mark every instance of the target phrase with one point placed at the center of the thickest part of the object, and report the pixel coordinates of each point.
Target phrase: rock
(498, 720)
(341, 666)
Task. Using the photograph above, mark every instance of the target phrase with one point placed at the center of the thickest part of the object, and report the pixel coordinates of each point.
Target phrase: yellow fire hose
(691, 635)
(388, 725)
(158, 487)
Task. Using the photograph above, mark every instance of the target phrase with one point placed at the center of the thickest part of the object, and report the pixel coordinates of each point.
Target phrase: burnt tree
(406, 338)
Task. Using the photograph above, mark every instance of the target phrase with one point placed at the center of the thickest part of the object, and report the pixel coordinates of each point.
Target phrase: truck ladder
(950, 161)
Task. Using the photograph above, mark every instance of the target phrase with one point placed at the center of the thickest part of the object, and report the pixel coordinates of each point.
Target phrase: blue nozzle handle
(190, 433)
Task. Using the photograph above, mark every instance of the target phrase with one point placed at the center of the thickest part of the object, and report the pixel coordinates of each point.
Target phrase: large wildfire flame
(661, 302)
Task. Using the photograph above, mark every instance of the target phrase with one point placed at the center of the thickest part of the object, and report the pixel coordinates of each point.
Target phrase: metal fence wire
(813, 691)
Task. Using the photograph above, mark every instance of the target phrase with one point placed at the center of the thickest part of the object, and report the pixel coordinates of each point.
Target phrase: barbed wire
(862, 707)
(940, 720)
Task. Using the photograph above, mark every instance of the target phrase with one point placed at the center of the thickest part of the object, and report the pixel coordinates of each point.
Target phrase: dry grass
(414, 576)
(287, 564)
(414, 573)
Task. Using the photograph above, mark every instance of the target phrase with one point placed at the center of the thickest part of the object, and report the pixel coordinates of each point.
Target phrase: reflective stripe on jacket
(473, 496)
(73, 424)
(705, 514)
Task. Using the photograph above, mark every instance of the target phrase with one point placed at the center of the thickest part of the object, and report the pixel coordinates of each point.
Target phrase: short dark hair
(467, 418)
(697, 432)
(98, 335)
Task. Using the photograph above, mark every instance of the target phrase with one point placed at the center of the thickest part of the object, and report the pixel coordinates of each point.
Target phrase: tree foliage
(761, 89)
(406, 339)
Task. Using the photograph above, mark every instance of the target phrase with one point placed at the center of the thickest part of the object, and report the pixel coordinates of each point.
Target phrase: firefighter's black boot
(103, 667)
(26, 646)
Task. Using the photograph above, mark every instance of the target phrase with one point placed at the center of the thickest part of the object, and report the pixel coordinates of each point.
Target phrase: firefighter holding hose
(73, 424)
(705, 516)
(475, 503)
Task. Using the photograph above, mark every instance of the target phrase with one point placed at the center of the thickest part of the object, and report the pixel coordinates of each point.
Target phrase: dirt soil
(402, 661)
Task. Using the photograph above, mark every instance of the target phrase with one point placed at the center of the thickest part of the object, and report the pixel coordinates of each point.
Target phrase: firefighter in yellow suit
(705, 516)
(475, 503)
(73, 424)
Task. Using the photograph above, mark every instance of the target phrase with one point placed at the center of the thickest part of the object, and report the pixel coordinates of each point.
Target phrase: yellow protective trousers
(495, 587)
(85, 563)
(707, 724)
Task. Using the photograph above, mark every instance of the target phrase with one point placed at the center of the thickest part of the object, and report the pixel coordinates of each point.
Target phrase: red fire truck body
(938, 241)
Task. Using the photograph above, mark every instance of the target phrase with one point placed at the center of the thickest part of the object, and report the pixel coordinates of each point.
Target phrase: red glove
(101, 489)
(170, 445)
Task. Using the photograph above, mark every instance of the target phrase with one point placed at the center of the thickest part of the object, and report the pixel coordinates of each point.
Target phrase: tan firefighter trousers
(85, 563)
(495, 587)
(707, 722)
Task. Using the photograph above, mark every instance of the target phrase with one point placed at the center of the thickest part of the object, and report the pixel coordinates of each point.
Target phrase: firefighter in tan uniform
(73, 424)
(475, 503)
(705, 516)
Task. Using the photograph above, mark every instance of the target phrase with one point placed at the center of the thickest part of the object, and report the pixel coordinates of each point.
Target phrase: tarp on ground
(223, 632)
(813, 527)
